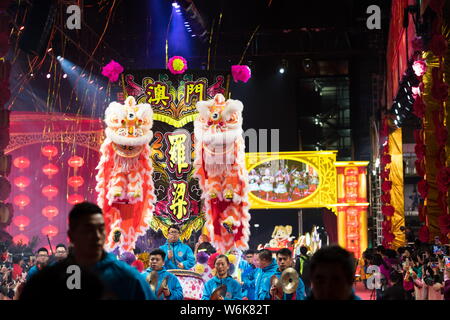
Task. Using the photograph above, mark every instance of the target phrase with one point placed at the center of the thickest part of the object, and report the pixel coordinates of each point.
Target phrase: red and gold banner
(352, 206)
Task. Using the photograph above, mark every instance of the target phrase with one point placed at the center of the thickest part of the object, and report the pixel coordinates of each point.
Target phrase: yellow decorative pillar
(397, 191)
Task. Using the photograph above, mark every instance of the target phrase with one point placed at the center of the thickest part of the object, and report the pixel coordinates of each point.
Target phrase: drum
(191, 282)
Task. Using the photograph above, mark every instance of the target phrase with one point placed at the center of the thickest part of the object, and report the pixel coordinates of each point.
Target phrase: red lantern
(49, 231)
(21, 222)
(21, 182)
(75, 198)
(50, 191)
(21, 163)
(21, 238)
(50, 170)
(50, 212)
(21, 201)
(49, 151)
(75, 161)
(75, 181)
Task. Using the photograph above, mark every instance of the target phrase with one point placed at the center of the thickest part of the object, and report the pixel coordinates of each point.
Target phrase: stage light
(396, 122)
(91, 82)
(398, 118)
(101, 88)
(175, 5)
(193, 36)
(50, 50)
(65, 75)
(399, 104)
(48, 75)
(396, 111)
(22, 28)
(256, 225)
(281, 70)
(83, 75)
(73, 68)
(32, 75)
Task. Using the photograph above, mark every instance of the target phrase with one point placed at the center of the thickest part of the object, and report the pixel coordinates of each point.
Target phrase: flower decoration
(112, 70)
(388, 210)
(199, 268)
(202, 257)
(232, 258)
(212, 260)
(241, 73)
(419, 67)
(177, 65)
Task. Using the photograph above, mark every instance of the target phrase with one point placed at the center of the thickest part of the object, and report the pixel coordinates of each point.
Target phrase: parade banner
(173, 99)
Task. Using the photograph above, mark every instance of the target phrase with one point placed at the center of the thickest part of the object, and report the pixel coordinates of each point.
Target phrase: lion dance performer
(124, 179)
(220, 168)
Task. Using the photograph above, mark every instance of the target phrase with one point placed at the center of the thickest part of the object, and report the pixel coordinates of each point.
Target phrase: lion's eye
(215, 116)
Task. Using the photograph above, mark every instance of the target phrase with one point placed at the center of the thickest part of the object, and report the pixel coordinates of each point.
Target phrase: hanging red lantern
(50, 212)
(21, 182)
(49, 151)
(21, 163)
(50, 170)
(75, 161)
(21, 201)
(21, 238)
(75, 198)
(21, 222)
(75, 181)
(49, 231)
(50, 191)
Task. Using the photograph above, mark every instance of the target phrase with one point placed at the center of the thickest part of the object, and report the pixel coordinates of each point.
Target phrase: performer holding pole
(178, 254)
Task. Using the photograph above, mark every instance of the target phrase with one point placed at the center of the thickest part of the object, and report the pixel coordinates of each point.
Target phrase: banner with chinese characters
(173, 99)
(352, 206)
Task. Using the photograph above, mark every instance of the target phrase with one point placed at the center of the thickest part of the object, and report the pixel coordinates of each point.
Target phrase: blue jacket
(181, 253)
(300, 293)
(234, 290)
(122, 281)
(32, 272)
(248, 277)
(176, 291)
(263, 281)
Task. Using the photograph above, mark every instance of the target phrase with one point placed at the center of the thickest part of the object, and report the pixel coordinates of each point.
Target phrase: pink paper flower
(241, 73)
(419, 67)
(386, 198)
(415, 91)
(420, 150)
(385, 174)
(389, 237)
(177, 65)
(386, 159)
(444, 223)
(443, 179)
(438, 45)
(112, 71)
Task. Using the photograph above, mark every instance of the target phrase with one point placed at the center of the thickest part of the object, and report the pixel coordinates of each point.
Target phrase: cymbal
(275, 282)
(152, 279)
(163, 285)
(220, 291)
(289, 280)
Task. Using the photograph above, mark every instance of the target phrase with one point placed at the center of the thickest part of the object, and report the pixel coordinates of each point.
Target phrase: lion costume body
(124, 180)
(220, 167)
